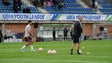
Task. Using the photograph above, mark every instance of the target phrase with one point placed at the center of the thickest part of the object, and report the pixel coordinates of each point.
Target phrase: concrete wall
(16, 27)
(87, 28)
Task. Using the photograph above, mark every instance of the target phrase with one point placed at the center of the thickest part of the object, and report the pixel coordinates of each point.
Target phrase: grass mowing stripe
(84, 56)
(54, 60)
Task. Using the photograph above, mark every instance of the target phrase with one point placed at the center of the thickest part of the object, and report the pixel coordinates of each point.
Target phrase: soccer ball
(40, 49)
(53, 51)
(49, 51)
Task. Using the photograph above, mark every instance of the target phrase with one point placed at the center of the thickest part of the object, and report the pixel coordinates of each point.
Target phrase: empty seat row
(73, 12)
(103, 2)
(69, 1)
(72, 5)
(6, 11)
(105, 9)
(78, 9)
(107, 6)
(107, 12)
(6, 7)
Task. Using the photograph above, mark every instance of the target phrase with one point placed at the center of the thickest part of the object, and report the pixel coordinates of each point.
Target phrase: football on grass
(40, 49)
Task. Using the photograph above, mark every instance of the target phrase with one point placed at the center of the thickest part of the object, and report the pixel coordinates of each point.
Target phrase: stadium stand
(106, 6)
(70, 7)
(6, 9)
(9, 8)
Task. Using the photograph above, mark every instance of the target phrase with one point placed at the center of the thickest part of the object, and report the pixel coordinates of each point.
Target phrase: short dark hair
(29, 21)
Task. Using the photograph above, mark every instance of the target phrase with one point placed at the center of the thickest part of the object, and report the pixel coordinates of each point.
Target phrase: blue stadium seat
(72, 5)
(33, 8)
(69, 1)
(107, 12)
(105, 9)
(103, 2)
(107, 5)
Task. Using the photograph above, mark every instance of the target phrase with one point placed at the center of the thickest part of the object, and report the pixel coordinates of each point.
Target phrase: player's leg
(72, 47)
(24, 46)
(78, 48)
(27, 44)
(64, 37)
(31, 44)
(73, 44)
(78, 45)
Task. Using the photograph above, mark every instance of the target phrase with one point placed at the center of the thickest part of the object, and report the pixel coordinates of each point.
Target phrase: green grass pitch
(100, 52)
